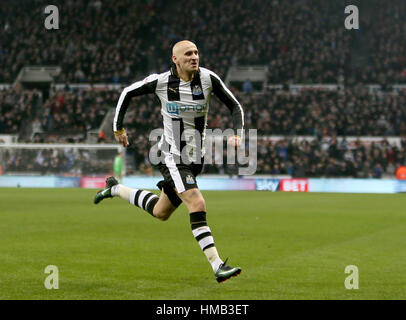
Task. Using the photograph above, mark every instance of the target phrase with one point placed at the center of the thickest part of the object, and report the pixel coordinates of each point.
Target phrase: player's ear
(173, 66)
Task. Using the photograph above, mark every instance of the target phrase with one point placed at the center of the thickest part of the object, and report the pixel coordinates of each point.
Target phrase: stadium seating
(314, 113)
(300, 41)
(16, 106)
(312, 47)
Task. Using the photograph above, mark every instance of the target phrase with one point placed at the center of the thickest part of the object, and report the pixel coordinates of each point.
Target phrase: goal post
(59, 159)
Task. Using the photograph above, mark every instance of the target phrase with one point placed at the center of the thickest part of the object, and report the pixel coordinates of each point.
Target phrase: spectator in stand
(16, 105)
(247, 86)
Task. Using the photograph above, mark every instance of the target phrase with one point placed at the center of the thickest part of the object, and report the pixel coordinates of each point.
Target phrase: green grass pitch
(289, 246)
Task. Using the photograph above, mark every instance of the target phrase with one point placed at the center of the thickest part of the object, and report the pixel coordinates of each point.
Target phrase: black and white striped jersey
(184, 106)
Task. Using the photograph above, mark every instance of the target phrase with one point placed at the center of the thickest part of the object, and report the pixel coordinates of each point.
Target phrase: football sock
(121, 191)
(203, 236)
(143, 199)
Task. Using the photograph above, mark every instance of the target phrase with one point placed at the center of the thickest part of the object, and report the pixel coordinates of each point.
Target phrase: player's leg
(194, 201)
(168, 201)
(159, 207)
(163, 208)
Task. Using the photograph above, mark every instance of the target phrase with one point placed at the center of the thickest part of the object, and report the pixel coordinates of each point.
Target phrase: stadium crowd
(16, 105)
(315, 113)
(301, 41)
(115, 41)
(381, 33)
(328, 157)
(76, 111)
(354, 112)
(67, 161)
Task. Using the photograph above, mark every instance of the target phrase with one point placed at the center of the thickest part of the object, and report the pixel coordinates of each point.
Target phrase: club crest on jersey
(189, 179)
(197, 90)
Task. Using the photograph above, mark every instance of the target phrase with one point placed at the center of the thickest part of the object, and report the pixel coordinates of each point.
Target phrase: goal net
(59, 159)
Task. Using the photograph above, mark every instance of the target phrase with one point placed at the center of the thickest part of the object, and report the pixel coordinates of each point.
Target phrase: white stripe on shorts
(174, 172)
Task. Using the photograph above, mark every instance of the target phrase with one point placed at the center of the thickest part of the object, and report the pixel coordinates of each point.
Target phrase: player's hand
(234, 141)
(121, 136)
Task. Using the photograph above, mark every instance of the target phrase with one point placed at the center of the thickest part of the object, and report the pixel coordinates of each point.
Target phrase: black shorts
(179, 176)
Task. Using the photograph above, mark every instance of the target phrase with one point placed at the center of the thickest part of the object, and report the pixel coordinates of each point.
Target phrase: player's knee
(198, 204)
(194, 200)
(162, 215)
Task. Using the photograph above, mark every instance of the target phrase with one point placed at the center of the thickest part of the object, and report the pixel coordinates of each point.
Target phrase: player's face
(189, 59)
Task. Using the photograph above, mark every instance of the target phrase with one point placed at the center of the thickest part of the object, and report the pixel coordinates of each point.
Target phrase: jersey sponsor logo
(189, 179)
(175, 108)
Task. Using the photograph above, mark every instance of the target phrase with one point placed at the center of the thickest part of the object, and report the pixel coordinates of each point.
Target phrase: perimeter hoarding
(205, 183)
